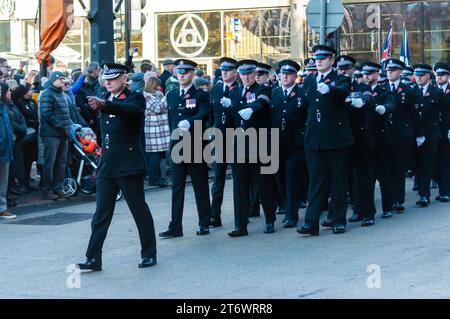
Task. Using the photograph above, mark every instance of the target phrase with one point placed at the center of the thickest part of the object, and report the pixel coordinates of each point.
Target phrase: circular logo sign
(189, 35)
(6, 8)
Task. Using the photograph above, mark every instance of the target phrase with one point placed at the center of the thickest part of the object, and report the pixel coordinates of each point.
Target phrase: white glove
(420, 140)
(323, 88)
(357, 103)
(448, 135)
(226, 102)
(246, 113)
(184, 125)
(380, 109)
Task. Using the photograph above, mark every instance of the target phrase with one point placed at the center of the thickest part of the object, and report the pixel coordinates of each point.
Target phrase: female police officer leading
(122, 167)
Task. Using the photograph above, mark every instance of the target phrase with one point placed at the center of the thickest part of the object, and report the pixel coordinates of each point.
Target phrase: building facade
(205, 30)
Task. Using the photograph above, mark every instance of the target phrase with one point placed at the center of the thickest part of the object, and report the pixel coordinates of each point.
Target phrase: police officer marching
(328, 136)
(251, 110)
(221, 119)
(431, 103)
(188, 106)
(380, 115)
(122, 167)
(288, 115)
(405, 127)
(442, 73)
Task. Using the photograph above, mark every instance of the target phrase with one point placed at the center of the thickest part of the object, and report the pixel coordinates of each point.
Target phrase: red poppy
(427, 94)
(327, 81)
(231, 87)
(122, 96)
(292, 94)
(374, 94)
(187, 96)
(447, 91)
(399, 90)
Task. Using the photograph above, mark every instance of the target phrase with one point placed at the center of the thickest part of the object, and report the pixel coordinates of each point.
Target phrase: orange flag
(56, 20)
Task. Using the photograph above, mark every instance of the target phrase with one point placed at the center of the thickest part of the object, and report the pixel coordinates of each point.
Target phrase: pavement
(407, 256)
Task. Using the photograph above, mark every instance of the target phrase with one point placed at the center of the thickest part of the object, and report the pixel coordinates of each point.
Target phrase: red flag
(56, 20)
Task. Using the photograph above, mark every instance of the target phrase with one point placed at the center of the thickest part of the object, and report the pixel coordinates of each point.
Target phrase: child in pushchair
(85, 157)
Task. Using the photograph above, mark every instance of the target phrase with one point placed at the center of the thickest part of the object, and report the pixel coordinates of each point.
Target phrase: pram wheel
(119, 195)
(69, 186)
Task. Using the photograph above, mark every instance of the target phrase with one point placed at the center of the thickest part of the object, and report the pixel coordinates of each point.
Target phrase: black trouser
(426, 162)
(292, 175)
(30, 152)
(55, 158)
(243, 177)
(154, 160)
(17, 165)
(255, 195)
(383, 171)
(363, 186)
(199, 176)
(443, 166)
(324, 166)
(133, 190)
(218, 185)
(402, 154)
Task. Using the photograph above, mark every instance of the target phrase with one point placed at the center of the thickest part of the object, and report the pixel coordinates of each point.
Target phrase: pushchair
(82, 169)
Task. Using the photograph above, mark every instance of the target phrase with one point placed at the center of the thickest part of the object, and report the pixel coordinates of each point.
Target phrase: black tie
(227, 91)
(322, 77)
(182, 92)
(246, 91)
(393, 87)
(285, 93)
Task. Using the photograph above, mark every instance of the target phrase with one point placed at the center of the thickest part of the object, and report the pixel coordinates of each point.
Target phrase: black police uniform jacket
(380, 126)
(121, 125)
(221, 117)
(359, 117)
(288, 114)
(258, 99)
(327, 123)
(406, 124)
(431, 107)
(444, 129)
(193, 106)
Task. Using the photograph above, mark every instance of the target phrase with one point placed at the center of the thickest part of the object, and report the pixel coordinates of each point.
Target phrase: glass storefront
(365, 26)
(206, 36)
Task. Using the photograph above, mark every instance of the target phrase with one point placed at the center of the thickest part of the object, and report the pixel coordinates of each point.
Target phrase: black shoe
(269, 229)
(15, 190)
(31, 188)
(290, 224)
(161, 183)
(238, 233)
(355, 218)
(339, 229)
(398, 208)
(438, 197)
(423, 201)
(308, 230)
(368, 222)
(202, 230)
(280, 211)
(327, 223)
(91, 264)
(147, 262)
(387, 214)
(302, 205)
(444, 199)
(171, 234)
(215, 222)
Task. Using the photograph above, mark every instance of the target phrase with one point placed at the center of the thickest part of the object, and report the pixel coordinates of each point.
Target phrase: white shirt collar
(319, 75)
(374, 86)
(289, 90)
(396, 84)
(424, 88)
(225, 85)
(444, 86)
(186, 89)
